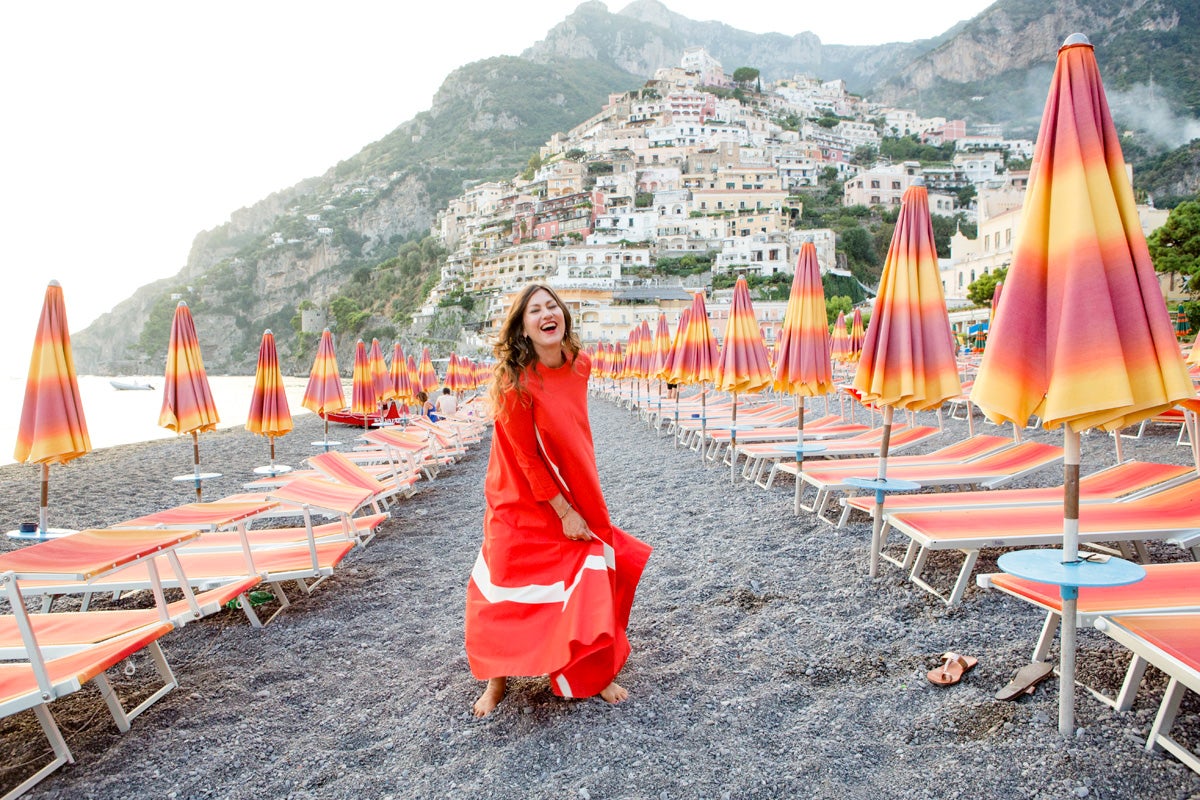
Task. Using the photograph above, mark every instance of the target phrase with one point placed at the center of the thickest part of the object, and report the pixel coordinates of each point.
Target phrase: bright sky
(131, 126)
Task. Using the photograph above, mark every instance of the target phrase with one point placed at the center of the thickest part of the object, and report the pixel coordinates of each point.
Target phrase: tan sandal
(953, 667)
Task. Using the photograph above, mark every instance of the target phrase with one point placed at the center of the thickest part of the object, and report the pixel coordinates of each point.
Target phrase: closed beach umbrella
(1183, 327)
(907, 358)
(840, 340)
(428, 377)
(379, 374)
(53, 429)
(996, 299)
(802, 355)
(269, 413)
(398, 376)
(662, 347)
(857, 335)
(324, 390)
(743, 366)
(363, 399)
(1083, 339)
(696, 361)
(187, 406)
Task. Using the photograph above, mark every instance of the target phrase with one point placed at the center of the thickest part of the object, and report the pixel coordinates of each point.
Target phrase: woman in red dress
(551, 590)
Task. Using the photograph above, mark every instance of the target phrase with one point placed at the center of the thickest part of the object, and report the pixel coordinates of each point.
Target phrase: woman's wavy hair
(514, 351)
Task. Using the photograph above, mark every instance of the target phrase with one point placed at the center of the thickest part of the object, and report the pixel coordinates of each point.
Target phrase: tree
(1175, 247)
(838, 304)
(744, 76)
(982, 289)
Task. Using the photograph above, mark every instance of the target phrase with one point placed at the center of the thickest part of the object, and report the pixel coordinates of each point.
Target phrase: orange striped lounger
(1170, 643)
(1161, 515)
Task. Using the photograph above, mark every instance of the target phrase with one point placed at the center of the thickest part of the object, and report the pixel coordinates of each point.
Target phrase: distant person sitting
(447, 404)
(426, 406)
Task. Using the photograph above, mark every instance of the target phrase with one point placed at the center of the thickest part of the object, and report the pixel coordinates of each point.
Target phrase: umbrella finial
(1076, 38)
(181, 304)
(53, 283)
(268, 330)
(918, 180)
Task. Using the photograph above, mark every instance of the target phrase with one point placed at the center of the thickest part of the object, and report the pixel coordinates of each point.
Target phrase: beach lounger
(718, 438)
(1166, 589)
(337, 467)
(420, 453)
(56, 677)
(1121, 481)
(833, 472)
(64, 632)
(1170, 643)
(33, 685)
(865, 444)
(1171, 512)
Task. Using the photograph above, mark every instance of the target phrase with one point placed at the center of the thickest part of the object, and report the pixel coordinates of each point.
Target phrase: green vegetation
(982, 289)
(1175, 247)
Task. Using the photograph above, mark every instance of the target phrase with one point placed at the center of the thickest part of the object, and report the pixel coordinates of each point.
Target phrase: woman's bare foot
(614, 693)
(493, 694)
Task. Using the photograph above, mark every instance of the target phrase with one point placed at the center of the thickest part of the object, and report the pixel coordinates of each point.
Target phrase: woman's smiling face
(544, 323)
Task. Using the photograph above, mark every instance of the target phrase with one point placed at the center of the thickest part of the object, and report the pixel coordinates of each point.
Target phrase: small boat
(131, 386)
(348, 417)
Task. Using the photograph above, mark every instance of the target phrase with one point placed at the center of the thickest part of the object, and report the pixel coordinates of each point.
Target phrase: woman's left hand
(575, 527)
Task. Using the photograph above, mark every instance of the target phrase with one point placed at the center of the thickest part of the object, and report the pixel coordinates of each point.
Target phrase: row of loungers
(211, 555)
(1157, 619)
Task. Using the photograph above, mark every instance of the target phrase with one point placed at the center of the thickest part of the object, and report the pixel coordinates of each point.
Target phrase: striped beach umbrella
(363, 399)
(53, 429)
(662, 347)
(743, 366)
(269, 413)
(324, 393)
(907, 358)
(803, 352)
(427, 375)
(839, 341)
(187, 406)
(1183, 326)
(857, 336)
(1083, 339)
(414, 375)
(399, 378)
(696, 360)
(379, 374)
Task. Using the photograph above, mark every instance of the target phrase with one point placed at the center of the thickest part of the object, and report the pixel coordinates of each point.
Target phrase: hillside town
(684, 167)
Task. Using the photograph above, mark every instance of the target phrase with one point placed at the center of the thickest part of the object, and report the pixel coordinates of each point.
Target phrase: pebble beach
(765, 664)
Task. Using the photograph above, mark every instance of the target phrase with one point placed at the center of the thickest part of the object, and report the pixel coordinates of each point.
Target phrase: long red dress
(539, 603)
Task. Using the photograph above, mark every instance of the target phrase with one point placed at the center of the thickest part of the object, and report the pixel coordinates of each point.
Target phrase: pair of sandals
(953, 666)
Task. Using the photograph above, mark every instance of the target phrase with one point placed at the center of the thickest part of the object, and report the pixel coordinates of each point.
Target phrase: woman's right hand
(575, 526)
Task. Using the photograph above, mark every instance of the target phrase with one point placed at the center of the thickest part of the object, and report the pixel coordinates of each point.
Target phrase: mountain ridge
(489, 116)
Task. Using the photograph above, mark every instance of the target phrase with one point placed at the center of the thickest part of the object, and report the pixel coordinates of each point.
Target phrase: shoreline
(765, 662)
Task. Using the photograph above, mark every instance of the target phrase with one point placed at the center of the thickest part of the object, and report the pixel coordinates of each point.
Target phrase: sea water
(123, 416)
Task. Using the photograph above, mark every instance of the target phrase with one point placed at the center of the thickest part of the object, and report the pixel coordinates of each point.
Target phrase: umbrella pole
(271, 439)
(703, 421)
(733, 443)
(196, 461)
(43, 510)
(800, 450)
(675, 431)
(877, 511)
(1070, 594)
(326, 442)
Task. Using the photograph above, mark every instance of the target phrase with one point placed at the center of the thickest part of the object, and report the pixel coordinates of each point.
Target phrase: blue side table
(1046, 566)
(880, 488)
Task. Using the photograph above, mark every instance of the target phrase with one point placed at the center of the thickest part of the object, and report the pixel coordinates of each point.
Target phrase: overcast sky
(131, 126)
